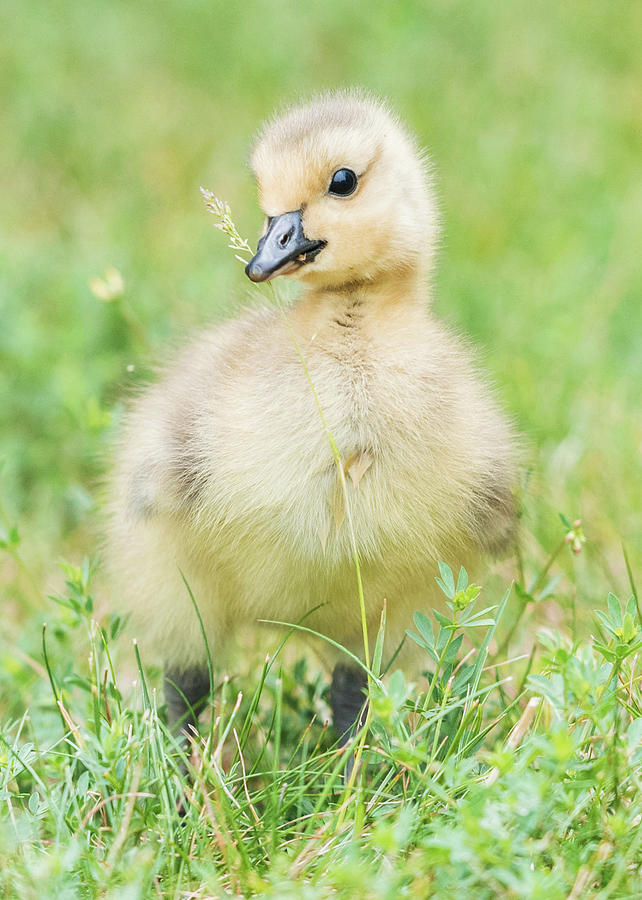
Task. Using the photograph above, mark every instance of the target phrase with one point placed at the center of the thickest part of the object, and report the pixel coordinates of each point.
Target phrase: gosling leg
(348, 702)
(186, 693)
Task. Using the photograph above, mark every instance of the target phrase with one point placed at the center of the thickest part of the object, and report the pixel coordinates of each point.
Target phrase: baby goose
(225, 472)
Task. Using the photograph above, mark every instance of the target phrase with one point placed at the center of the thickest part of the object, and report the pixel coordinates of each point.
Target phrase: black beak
(282, 249)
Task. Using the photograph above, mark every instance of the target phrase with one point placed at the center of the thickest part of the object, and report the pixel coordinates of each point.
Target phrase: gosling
(225, 476)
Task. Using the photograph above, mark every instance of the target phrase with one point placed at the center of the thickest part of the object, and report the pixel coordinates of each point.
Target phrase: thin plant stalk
(535, 586)
(239, 244)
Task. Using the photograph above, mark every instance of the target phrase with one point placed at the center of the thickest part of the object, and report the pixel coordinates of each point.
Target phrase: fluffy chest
(312, 451)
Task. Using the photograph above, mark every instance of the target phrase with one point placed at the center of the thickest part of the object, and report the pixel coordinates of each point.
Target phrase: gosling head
(346, 195)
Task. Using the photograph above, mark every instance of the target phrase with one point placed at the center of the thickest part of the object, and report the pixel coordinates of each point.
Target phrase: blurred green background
(112, 114)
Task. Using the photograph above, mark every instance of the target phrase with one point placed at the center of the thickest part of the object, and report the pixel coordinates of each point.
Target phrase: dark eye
(344, 183)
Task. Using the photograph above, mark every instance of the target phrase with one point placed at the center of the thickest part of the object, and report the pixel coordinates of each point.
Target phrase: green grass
(112, 115)
(462, 788)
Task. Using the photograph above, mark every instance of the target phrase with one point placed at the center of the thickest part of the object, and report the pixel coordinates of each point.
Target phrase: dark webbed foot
(348, 699)
(185, 693)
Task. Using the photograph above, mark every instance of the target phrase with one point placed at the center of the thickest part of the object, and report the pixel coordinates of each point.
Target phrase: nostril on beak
(284, 240)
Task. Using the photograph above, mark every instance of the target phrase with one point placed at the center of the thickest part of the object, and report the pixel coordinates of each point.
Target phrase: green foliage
(115, 113)
(461, 788)
(494, 777)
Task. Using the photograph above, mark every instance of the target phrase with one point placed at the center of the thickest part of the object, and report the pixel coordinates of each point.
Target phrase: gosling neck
(392, 289)
(361, 311)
